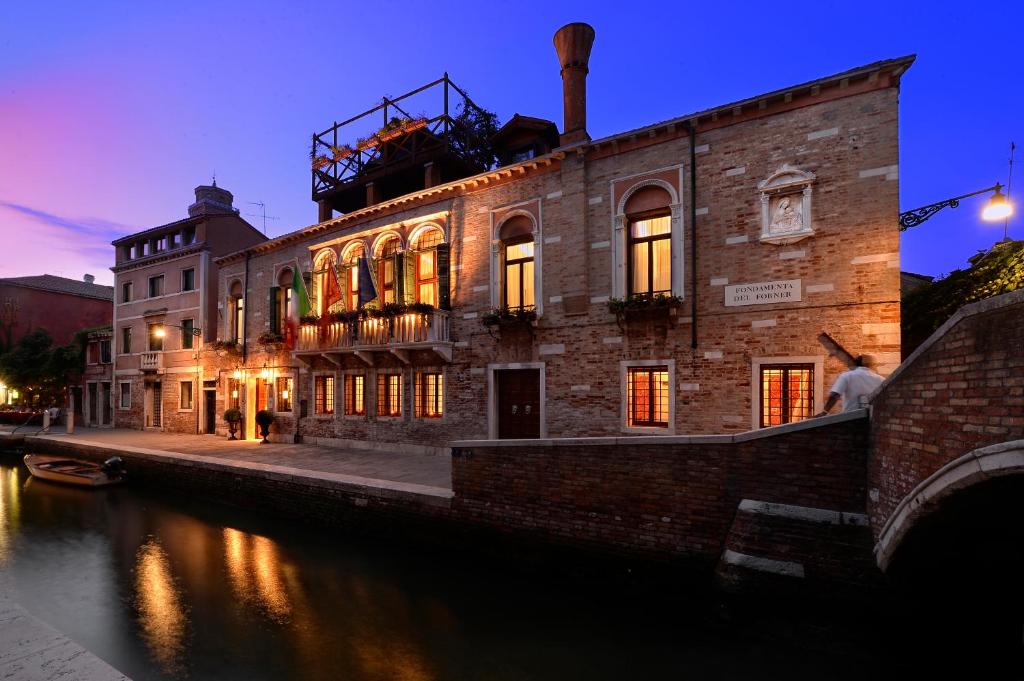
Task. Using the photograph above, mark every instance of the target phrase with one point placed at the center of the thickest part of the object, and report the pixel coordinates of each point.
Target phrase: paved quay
(426, 475)
(31, 650)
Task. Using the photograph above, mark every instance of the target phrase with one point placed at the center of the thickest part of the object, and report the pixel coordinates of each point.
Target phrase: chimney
(89, 279)
(211, 200)
(573, 43)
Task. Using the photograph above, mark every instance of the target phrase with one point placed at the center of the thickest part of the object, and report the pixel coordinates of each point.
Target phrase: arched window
(325, 284)
(517, 281)
(425, 269)
(351, 269)
(236, 309)
(387, 251)
(649, 243)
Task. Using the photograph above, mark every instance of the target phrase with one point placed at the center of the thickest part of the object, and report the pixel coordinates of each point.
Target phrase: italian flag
(298, 307)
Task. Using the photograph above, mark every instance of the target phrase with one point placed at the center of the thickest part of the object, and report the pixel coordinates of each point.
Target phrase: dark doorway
(105, 405)
(210, 405)
(518, 403)
(93, 404)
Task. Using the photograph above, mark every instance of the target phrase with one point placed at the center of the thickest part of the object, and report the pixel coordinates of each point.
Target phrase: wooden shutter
(401, 292)
(275, 325)
(444, 300)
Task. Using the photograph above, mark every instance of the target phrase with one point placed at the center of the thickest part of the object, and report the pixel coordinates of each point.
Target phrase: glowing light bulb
(998, 208)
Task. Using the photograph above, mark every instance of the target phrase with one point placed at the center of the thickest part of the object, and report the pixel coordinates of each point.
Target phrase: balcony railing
(152, 361)
(406, 329)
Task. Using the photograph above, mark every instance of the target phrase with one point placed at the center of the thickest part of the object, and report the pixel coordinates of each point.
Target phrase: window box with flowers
(270, 338)
(224, 348)
(644, 308)
(510, 317)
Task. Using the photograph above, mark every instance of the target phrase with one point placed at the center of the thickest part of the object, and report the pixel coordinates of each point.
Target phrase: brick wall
(849, 269)
(961, 390)
(655, 500)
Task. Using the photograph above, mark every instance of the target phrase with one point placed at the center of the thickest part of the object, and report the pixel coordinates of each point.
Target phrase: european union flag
(367, 286)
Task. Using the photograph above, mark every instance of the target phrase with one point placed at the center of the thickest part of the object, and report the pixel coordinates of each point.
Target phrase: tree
(35, 367)
(1000, 270)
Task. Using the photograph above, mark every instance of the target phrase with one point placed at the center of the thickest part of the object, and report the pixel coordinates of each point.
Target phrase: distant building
(166, 310)
(61, 306)
(93, 399)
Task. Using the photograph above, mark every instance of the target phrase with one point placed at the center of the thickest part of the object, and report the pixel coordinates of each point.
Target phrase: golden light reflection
(161, 610)
(10, 510)
(255, 573)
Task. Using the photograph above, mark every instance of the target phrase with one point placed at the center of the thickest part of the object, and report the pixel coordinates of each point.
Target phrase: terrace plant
(232, 417)
(264, 419)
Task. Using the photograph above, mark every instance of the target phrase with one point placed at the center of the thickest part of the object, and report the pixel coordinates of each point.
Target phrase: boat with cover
(76, 471)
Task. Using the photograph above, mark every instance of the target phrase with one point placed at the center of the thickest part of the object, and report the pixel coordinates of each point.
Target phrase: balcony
(152, 361)
(396, 335)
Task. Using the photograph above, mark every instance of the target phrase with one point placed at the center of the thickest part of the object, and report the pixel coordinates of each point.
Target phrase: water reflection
(159, 603)
(255, 572)
(10, 510)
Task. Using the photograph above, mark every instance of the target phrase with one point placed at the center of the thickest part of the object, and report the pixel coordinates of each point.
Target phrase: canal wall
(782, 504)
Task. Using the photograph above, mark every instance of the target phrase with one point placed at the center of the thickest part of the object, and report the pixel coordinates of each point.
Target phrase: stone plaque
(763, 293)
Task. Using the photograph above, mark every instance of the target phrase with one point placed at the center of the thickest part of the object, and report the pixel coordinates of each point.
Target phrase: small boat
(76, 471)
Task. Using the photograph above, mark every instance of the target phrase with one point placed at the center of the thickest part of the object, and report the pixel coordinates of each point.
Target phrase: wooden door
(210, 397)
(518, 403)
(158, 404)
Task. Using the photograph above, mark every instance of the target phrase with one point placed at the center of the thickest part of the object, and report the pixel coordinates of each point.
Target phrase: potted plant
(643, 307)
(321, 162)
(232, 416)
(505, 316)
(263, 419)
(341, 151)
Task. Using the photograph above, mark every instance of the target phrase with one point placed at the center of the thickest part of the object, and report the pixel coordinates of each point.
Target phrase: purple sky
(111, 113)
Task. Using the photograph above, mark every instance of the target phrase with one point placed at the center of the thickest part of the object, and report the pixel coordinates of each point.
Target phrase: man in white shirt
(854, 386)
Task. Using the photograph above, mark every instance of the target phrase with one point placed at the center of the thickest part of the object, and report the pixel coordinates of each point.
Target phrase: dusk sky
(111, 113)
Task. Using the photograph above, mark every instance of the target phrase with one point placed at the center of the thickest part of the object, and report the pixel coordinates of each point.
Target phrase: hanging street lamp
(998, 208)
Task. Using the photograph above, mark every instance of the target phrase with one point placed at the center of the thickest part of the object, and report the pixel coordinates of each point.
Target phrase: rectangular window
(156, 286)
(126, 340)
(323, 394)
(787, 393)
(175, 239)
(126, 292)
(188, 236)
(519, 276)
(386, 279)
(188, 279)
(187, 335)
(161, 243)
(426, 277)
(429, 390)
(125, 399)
(389, 394)
(283, 393)
(238, 319)
(355, 394)
(233, 399)
(105, 351)
(156, 343)
(647, 394)
(186, 395)
(650, 257)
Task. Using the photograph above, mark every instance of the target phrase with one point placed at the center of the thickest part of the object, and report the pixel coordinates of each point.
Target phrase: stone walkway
(32, 651)
(366, 466)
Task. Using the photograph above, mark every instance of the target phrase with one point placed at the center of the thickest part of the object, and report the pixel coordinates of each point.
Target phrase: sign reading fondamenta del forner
(763, 293)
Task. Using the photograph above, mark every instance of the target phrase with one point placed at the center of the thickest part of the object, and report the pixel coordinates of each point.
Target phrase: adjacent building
(166, 288)
(692, 276)
(59, 305)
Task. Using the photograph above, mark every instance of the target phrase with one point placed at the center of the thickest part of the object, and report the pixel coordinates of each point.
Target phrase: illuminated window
(429, 389)
(186, 395)
(323, 394)
(236, 307)
(647, 394)
(283, 393)
(389, 394)
(650, 257)
(326, 287)
(425, 264)
(518, 288)
(355, 394)
(386, 269)
(351, 269)
(282, 301)
(787, 393)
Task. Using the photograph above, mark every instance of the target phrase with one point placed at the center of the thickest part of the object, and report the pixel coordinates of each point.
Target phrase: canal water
(170, 588)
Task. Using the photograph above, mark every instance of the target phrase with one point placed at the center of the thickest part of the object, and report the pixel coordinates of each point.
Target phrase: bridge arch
(925, 500)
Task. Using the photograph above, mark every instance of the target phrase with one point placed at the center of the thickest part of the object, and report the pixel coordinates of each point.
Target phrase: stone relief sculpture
(786, 205)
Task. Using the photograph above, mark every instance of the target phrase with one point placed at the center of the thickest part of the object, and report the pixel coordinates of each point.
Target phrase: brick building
(61, 306)
(670, 279)
(166, 287)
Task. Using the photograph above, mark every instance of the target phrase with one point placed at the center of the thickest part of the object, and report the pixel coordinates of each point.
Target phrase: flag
(367, 286)
(298, 306)
(332, 295)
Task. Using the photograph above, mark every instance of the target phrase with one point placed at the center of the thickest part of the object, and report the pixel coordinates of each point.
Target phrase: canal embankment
(774, 511)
